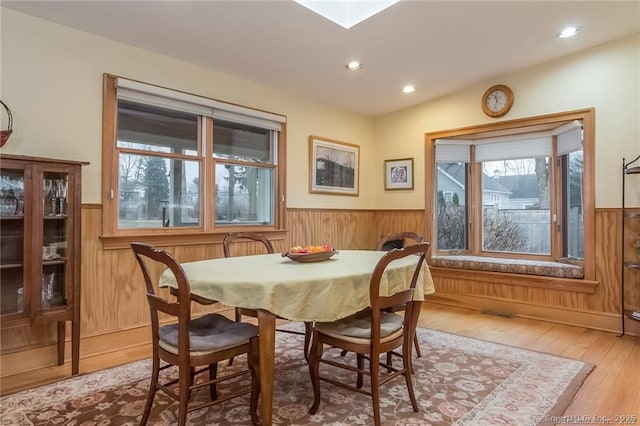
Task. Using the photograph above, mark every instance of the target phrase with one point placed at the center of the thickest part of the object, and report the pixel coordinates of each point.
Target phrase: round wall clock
(497, 100)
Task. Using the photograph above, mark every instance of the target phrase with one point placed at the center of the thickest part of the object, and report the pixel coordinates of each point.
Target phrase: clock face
(497, 101)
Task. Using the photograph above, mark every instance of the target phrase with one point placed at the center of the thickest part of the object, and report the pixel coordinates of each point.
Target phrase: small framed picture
(398, 174)
(334, 166)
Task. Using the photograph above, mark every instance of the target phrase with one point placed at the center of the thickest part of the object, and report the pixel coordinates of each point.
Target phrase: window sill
(551, 275)
(177, 239)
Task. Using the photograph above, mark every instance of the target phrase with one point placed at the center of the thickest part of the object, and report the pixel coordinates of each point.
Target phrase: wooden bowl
(310, 257)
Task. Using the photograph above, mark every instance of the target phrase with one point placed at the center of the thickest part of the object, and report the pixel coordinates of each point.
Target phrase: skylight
(346, 13)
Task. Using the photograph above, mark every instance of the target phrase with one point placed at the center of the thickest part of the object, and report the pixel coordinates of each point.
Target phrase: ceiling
(439, 46)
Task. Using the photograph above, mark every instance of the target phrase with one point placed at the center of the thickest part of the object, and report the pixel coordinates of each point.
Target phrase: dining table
(279, 287)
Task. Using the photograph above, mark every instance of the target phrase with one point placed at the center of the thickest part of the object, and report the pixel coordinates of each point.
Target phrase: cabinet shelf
(12, 217)
(60, 261)
(11, 265)
(54, 217)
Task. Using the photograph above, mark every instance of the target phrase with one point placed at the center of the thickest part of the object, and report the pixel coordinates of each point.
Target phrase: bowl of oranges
(310, 253)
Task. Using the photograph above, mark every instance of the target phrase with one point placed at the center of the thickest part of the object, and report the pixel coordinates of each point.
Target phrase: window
(180, 164)
(525, 189)
(159, 167)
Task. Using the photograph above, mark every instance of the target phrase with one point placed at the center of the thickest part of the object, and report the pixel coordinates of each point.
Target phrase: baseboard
(603, 321)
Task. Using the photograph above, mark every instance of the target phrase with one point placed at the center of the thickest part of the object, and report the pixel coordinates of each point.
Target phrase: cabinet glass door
(54, 239)
(12, 228)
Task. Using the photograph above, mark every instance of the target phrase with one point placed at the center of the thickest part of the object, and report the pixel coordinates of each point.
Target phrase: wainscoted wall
(113, 297)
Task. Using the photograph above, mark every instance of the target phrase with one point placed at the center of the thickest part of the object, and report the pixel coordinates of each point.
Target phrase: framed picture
(398, 174)
(334, 166)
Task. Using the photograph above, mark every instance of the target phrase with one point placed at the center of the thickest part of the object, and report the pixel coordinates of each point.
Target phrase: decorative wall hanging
(4, 134)
(334, 166)
(398, 174)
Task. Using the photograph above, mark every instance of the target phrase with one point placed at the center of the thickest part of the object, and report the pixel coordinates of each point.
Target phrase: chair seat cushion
(208, 333)
(357, 327)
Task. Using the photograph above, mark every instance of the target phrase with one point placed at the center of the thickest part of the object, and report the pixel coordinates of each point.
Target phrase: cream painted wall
(51, 77)
(606, 78)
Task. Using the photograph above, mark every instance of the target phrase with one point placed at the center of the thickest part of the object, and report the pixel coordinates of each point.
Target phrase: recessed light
(354, 66)
(408, 89)
(569, 32)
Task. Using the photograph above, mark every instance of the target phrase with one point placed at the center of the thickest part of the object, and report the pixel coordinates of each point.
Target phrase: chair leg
(314, 371)
(360, 365)
(185, 379)
(155, 373)
(213, 373)
(415, 343)
(374, 369)
(408, 370)
(253, 358)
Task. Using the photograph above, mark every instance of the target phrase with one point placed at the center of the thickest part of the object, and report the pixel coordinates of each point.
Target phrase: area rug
(458, 380)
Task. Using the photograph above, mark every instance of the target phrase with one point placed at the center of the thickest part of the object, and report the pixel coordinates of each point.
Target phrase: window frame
(208, 231)
(586, 116)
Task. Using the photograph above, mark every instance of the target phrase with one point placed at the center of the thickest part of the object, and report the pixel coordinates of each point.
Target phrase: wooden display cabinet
(40, 201)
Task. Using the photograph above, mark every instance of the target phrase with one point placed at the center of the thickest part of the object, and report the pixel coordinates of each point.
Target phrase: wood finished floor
(612, 389)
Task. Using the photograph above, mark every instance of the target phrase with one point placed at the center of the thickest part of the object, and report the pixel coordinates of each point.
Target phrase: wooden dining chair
(370, 333)
(189, 343)
(228, 240)
(398, 240)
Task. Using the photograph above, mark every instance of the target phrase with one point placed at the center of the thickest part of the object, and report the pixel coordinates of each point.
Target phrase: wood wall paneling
(345, 230)
(392, 221)
(113, 297)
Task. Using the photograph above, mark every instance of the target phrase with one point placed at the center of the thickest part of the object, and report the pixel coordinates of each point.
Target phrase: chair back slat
(251, 236)
(419, 249)
(162, 305)
(405, 296)
(398, 236)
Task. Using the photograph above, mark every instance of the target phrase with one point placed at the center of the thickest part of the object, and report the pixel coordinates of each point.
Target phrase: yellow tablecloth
(322, 291)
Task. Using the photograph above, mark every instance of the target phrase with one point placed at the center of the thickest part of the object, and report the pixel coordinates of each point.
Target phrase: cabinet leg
(61, 337)
(75, 346)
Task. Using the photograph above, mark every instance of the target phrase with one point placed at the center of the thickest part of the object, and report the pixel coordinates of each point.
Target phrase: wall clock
(497, 100)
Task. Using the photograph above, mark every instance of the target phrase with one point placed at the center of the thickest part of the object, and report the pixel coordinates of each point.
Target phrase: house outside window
(532, 185)
(448, 198)
(184, 164)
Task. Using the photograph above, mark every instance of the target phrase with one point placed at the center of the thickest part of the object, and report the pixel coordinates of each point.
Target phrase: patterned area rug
(458, 380)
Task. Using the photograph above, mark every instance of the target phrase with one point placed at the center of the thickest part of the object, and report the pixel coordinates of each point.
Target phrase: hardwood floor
(612, 389)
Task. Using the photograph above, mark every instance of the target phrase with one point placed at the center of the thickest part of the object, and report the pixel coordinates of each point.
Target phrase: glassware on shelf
(11, 196)
(8, 203)
(19, 192)
(61, 192)
(47, 289)
(47, 198)
(20, 300)
(50, 252)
